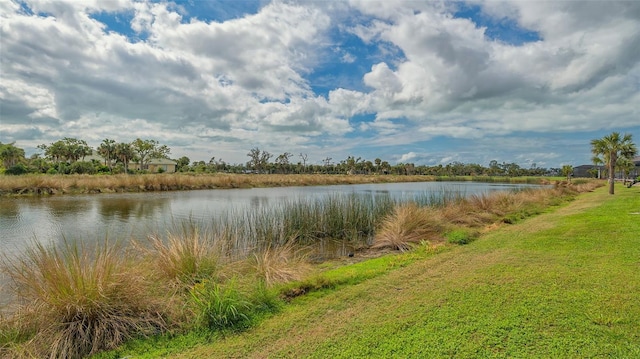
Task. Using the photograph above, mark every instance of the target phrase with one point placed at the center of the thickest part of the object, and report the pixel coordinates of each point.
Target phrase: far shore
(30, 185)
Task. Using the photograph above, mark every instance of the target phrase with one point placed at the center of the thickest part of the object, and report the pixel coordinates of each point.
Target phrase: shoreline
(46, 185)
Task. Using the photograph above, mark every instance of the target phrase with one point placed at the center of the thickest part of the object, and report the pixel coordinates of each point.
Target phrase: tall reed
(351, 218)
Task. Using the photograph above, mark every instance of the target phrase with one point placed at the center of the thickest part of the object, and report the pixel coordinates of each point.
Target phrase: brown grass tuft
(78, 301)
(280, 264)
(185, 258)
(408, 225)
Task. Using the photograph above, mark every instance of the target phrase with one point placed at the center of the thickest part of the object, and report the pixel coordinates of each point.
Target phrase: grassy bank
(562, 284)
(72, 301)
(62, 184)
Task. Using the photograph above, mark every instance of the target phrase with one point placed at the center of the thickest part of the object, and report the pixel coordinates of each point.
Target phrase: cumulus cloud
(248, 80)
(454, 71)
(247, 73)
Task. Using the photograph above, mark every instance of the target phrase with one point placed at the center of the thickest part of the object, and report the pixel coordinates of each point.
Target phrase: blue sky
(405, 81)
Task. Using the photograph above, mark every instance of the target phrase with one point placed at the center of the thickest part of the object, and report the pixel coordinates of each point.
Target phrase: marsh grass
(350, 218)
(60, 184)
(78, 301)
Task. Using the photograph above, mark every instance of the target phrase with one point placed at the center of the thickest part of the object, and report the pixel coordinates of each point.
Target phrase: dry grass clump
(280, 264)
(183, 258)
(486, 208)
(409, 225)
(77, 301)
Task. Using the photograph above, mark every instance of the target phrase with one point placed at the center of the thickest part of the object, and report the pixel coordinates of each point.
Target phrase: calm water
(136, 215)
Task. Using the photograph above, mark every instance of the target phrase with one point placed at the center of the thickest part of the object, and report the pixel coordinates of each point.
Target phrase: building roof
(161, 161)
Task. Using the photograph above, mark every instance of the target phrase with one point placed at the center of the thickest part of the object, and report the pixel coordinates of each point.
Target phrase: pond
(136, 215)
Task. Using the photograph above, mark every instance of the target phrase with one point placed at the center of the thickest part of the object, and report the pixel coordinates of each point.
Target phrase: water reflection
(127, 209)
(258, 202)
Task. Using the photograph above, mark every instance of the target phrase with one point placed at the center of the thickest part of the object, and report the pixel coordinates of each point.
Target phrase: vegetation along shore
(35, 184)
(161, 295)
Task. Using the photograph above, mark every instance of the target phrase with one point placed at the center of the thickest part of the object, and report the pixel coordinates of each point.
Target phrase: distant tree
(55, 151)
(494, 168)
(36, 164)
(75, 149)
(259, 159)
(326, 163)
(385, 167)
(148, 149)
(304, 157)
(107, 150)
(10, 154)
(68, 149)
(182, 164)
(282, 162)
(351, 164)
(611, 148)
(567, 171)
(368, 167)
(125, 154)
(625, 165)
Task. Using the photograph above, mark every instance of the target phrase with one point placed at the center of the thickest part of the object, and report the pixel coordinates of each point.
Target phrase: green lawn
(564, 284)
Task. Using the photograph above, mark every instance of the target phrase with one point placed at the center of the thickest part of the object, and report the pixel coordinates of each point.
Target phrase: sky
(423, 82)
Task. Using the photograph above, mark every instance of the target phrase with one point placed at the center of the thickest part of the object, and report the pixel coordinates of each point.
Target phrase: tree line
(262, 161)
(68, 155)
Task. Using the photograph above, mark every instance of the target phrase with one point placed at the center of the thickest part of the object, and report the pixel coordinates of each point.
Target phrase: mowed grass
(562, 284)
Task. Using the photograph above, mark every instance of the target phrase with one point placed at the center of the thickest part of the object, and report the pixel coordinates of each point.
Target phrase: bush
(16, 170)
(460, 236)
(82, 168)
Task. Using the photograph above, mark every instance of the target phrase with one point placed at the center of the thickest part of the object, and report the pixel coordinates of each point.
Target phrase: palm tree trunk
(612, 177)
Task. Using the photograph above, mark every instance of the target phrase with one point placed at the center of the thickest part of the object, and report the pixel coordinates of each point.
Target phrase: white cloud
(453, 71)
(245, 81)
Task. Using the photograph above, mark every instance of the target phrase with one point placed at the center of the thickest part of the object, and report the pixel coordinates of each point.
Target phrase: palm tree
(611, 148)
(10, 154)
(567, 171)
(124, 153)
(107, 150)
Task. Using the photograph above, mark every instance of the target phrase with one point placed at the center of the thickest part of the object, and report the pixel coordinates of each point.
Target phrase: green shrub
(16, 170)
(81, 167)
(460, 236)
(219, 308)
